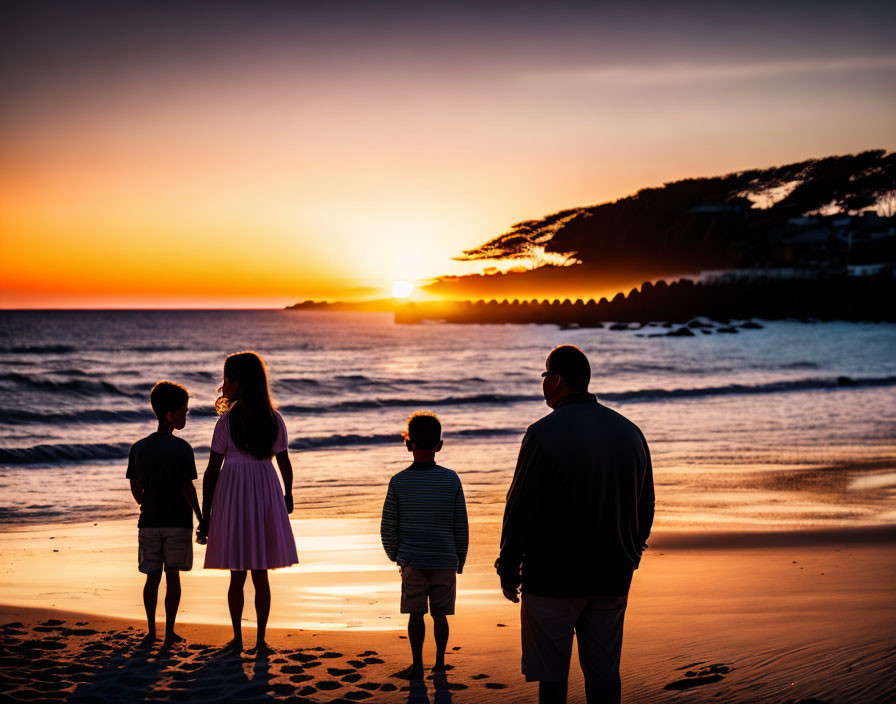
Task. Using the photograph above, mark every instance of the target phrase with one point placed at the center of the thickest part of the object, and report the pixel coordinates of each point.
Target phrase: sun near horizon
(259, 157)
(402, 289)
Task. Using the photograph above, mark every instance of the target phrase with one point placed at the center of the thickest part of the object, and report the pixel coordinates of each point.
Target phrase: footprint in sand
(302, 657)
(479, 677)
(693, 665)
(697, 678)
(338, 671)
(357, 696)
(78, 632)
(495, 685)
(328, 685)
(367, 653)
(42, 664)
(50, 686)
(352, 678)
(47, 644)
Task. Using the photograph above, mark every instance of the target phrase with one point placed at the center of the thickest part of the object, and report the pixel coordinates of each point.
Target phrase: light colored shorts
(548, 624)
(171, 548)
(439, 587)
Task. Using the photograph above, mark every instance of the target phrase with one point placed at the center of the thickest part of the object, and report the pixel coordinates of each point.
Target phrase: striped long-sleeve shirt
(424, 522)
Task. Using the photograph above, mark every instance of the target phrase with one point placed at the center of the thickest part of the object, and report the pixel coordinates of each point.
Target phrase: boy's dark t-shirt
(161, 462)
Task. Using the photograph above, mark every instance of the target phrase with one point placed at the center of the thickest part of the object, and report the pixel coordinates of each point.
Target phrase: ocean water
(790, 426)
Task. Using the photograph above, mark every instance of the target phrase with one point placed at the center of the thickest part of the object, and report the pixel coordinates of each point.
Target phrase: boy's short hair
(167, 396)
(424, 429)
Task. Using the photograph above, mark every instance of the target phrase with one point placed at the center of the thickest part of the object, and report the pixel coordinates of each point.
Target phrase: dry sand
(784, 617)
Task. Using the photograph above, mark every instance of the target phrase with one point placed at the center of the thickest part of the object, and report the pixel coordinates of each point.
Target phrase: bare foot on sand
(411, 672)
(234, 647)
(171, 639)
(260, 649)
(147, 641)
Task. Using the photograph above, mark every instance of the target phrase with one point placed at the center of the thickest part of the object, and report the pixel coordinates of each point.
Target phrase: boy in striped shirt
(424, 529)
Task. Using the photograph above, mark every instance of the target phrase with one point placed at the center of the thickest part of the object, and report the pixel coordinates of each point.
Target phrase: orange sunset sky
(259, 154)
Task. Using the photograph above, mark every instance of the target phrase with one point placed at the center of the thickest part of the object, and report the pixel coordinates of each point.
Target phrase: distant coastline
(684, 302)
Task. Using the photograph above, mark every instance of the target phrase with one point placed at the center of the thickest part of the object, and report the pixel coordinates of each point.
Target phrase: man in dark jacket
(578, 514)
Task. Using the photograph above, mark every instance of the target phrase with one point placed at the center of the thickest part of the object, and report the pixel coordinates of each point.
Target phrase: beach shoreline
(783, 616)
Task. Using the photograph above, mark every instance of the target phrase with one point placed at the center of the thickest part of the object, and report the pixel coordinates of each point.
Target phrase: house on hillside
(806, 241)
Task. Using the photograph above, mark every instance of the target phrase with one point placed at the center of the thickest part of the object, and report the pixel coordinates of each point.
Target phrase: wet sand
(783, 617)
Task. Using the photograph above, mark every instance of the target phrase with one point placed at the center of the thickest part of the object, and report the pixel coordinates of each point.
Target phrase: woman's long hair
(253, 427)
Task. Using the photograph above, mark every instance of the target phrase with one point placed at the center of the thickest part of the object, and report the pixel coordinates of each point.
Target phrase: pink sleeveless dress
(249, 527)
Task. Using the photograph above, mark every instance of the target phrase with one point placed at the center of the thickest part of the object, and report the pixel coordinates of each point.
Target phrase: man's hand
(511, 591)
(288, 499)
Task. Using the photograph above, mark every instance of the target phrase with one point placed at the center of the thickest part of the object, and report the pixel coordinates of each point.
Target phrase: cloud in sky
(679, 73)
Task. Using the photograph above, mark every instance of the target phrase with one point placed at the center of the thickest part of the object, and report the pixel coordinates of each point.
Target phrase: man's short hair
(167, 396)
(424, 430)
(572, 365)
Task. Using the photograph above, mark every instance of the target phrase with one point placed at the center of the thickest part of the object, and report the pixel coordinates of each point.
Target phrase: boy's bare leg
(150, 599)
(262, 607)
(416, 634)
(235, 600)
(172, 602)
(552, 692)
(440, 631)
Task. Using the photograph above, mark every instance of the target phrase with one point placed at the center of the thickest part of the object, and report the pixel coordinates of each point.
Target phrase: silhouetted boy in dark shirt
(162, 468)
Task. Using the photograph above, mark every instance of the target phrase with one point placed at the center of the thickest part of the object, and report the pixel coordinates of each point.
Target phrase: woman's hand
(288, 499)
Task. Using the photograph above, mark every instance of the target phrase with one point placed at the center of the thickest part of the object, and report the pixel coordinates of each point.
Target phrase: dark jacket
(580, 507)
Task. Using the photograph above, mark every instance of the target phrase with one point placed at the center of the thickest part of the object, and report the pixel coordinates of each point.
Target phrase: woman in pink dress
(248, 526)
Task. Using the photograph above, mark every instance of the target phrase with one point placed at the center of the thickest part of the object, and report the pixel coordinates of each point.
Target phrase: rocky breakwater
(685, 303)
